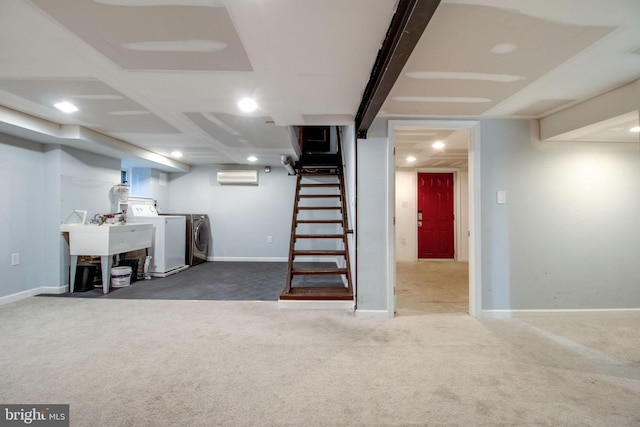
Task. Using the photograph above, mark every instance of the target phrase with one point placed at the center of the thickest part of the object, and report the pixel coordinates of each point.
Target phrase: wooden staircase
(319, 230)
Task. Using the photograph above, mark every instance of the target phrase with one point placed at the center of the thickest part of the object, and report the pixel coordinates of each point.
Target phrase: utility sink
(107, 239)
(104, 241)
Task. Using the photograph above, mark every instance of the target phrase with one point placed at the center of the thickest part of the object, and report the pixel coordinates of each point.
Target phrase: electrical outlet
(15, 259)
(269, 239)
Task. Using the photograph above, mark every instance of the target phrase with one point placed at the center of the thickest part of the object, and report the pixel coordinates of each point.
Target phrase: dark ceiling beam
(406, 28)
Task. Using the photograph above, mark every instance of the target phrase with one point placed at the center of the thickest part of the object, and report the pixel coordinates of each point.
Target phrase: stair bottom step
(318, 293)
(299, 271)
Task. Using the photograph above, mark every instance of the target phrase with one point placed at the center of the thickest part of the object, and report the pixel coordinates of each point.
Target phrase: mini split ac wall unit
(238, 177)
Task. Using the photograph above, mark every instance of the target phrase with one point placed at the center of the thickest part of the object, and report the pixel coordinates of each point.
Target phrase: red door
(435, 215)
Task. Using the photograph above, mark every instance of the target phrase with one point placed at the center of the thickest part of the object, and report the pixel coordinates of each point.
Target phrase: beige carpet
(206, 363)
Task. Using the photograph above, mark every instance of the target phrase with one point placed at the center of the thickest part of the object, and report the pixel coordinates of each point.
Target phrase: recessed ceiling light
(635, 129)
(102, 97)
(442, 99)
(247, 105)
(252, 158)
(66, 107)
(129, 113)
(137, 3)
(504, 48)
(176, 154)
(438, 145)
(411, 159)
(448, 75)
(177, 46)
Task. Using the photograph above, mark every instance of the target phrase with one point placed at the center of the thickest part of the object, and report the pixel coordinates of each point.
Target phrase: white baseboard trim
(313, 305)
(509, 314)
(248, 259)
(169, 273)
(7, 299)
(373, 314)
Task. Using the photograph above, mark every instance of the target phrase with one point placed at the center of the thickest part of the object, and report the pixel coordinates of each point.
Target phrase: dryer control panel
(137, 211)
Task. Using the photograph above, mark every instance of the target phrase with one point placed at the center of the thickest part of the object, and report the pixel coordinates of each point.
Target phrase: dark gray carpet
(227, 281)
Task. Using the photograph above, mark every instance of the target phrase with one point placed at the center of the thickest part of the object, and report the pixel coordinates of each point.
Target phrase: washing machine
(168, 244)
(200, 234)
(198, 239)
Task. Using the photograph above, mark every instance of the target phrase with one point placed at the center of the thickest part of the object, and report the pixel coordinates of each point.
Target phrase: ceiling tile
(460, 39)
(169, 38)
(101, 107)
(243, 131)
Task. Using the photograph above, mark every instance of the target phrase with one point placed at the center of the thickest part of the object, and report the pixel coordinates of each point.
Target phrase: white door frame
(475, 255)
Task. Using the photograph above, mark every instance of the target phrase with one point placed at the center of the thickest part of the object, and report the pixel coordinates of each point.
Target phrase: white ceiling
(165, 75)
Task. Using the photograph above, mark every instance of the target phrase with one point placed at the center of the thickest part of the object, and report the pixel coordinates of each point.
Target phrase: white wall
(87, 182)
(568, 236)
(22, 215)
(242, 217)
(55, 275)
(406, 208)
(462, 223)
(147, 182)
(374, 225)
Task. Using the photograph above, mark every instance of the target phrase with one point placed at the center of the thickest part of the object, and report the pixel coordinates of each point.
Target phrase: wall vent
(242, 177)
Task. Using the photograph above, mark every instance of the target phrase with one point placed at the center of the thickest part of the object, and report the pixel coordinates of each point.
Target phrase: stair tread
(318, 270)
(318, 293)
(319, 196)
(330, 172)
(319, 252)
(319, 221)
(319, 208)
(321, 185)
(319, 236)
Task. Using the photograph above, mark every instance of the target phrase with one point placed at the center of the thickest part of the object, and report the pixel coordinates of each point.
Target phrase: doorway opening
(436, 279)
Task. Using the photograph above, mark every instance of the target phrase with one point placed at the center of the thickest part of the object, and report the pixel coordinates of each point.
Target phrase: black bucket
(85, 275)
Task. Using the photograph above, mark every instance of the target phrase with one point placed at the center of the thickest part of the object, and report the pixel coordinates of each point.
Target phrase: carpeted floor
(122, 361)
(236, 363)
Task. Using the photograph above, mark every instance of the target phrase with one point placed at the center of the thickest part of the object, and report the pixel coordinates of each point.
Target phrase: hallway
(427, 287)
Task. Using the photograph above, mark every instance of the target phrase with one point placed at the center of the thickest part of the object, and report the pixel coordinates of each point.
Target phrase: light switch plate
(501, 197)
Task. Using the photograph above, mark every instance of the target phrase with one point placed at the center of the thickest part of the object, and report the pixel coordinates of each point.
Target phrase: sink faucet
(98, 219)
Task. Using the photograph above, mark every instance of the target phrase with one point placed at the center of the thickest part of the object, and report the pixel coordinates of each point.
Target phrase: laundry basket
(120, 276)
